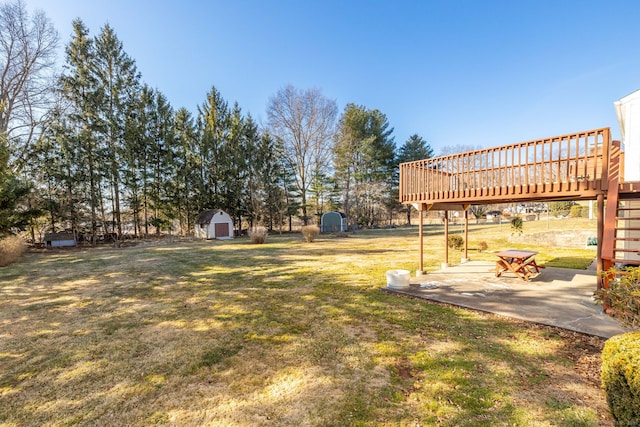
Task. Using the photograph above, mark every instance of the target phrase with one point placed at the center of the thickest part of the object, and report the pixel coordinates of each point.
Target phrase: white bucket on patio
(398, 279)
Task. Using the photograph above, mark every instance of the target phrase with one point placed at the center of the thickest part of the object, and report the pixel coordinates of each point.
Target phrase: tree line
(94, 150)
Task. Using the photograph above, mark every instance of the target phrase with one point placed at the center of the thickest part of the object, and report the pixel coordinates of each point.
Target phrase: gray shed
(333, 222)
(214, 224)
(59, 240)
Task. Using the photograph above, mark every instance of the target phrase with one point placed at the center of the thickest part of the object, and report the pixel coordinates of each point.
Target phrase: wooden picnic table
(521, 263)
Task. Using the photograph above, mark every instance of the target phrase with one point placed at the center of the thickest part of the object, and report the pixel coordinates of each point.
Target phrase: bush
(516, 225)
(11, 249)
(622, 296)
(560, 209)
(578, 211)
(456, 242)
(482, 246)
(258, 234)
(620, 373)
(310, 232)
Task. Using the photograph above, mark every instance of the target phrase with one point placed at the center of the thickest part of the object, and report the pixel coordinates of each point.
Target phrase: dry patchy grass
(285, 333)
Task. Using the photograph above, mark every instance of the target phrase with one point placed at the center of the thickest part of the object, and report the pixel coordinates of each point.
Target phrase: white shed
(59, 240)
(214, 224)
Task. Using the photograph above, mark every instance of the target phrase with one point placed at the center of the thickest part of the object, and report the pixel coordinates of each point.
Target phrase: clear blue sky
(456, 72)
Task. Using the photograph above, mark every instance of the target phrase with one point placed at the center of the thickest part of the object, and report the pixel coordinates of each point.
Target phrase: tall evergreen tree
(58, 175)
(213, 127)
(145, 151)
(134, 158)
(268, 175)
(364, 163)
(14, 214)
(118, 82)
(185, 163)
(79, 89)
(161, 140)
(253, 197)
(414, 148)
(228, 165)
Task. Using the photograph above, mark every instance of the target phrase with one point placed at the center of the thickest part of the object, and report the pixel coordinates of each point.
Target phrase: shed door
(332, 222)
(222, 229)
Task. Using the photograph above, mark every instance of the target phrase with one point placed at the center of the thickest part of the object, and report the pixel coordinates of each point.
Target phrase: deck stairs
(622, 220)
(625, 233)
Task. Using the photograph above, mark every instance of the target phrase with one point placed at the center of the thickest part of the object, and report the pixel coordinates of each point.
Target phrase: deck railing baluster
(568, 167)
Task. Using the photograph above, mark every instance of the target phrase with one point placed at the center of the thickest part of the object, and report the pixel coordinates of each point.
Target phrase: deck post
(599, 237)
(466, 235)
(421, 271)
(446, 240)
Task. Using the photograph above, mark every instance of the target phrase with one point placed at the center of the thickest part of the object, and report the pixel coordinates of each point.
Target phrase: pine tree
(79, 88)
(161, 140)
(213, 129)
(414, 148)
(134, 159)
(14, 215)
(118, 83)
(253, 197)
(185, 182)
(58, 175)
(269, 181)
(364, 163)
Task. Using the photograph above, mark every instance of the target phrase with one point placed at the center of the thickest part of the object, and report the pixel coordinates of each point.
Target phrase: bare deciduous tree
(305, 123)
(27, 55)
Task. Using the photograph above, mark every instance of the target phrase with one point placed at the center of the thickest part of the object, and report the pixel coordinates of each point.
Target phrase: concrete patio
(557, 296)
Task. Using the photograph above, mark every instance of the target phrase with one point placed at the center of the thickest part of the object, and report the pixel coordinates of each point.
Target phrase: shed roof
(51, 237)
(206, 216)
(342, 215)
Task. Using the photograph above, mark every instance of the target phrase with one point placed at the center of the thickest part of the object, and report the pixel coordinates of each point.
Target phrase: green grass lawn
(287, 333)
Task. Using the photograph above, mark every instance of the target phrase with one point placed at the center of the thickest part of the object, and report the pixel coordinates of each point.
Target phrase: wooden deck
(567, 167)
(580, 166)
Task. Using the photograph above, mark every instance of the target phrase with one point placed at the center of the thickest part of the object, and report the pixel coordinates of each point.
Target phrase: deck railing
(567, 166)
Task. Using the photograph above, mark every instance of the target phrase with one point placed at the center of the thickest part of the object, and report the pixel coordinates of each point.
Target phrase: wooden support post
(466, 235)
(446, 239)
(599, 237)
(420, 271)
